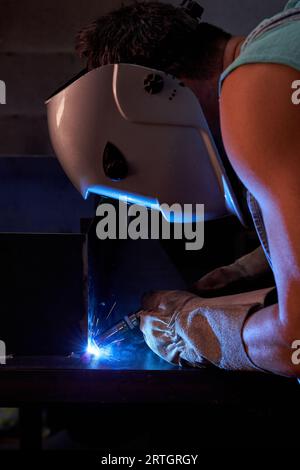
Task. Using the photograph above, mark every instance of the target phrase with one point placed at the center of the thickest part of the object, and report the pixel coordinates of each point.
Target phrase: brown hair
(155, 35)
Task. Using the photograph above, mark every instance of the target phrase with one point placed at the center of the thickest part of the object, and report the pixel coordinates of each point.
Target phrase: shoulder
(259, 120)
(259, 84)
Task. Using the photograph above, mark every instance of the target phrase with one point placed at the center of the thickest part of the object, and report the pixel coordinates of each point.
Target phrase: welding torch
(119, 330)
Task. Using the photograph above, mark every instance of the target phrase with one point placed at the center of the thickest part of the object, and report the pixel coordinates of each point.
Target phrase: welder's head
(163, 37)
(154, 35)
(128, 127)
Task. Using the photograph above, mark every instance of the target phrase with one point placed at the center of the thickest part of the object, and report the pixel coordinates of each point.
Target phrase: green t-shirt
(275, 40)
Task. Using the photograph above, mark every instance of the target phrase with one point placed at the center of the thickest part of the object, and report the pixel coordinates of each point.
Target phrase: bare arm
(260, 127)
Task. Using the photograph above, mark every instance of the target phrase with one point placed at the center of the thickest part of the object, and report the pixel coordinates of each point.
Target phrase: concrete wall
(36, 55)
(36, 196)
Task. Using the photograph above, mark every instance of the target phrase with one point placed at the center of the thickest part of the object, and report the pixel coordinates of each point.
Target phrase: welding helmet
(126, 131)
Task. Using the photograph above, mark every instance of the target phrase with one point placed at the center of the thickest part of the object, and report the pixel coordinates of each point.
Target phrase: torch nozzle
(119, 330)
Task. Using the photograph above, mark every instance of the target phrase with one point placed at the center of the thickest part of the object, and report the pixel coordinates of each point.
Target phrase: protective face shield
(125, 131)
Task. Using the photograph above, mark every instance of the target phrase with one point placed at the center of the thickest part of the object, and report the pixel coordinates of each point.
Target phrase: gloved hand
(248, 268)
(181, 327)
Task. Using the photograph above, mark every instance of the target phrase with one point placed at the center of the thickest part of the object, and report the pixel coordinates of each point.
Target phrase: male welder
(245, 88)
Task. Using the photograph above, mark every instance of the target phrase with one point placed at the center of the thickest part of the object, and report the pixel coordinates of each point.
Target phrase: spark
(117, 341)
(111, 310)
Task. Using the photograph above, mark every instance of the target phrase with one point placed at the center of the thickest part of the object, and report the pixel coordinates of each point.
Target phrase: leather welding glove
(181, 327)
(250, 267)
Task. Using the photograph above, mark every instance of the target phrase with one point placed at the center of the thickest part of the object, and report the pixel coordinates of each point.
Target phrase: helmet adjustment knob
(153, 83)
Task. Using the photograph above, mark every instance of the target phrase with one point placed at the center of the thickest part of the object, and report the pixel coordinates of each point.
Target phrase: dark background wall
(36, 55)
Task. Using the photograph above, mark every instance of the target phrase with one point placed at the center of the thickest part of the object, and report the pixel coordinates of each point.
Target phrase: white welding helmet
(125, 131)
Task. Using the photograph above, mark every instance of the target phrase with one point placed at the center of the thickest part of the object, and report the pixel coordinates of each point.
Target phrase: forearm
(235, 332)
(267, 343)
(179, 326)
